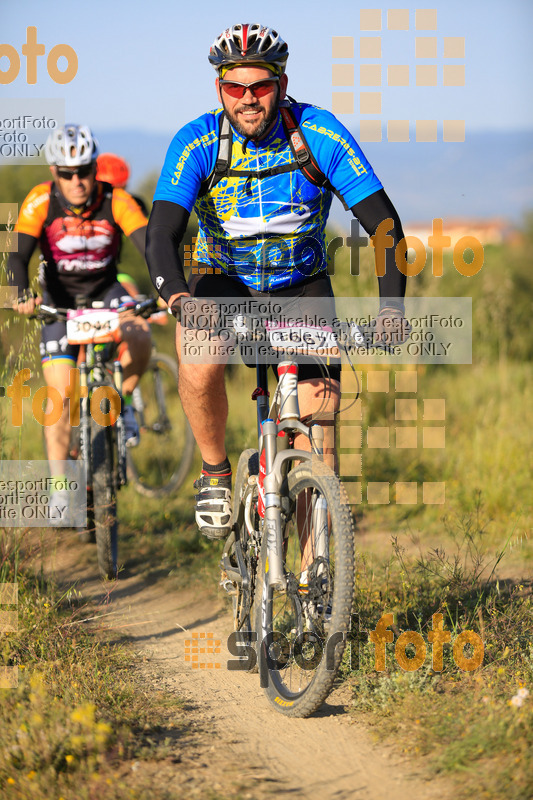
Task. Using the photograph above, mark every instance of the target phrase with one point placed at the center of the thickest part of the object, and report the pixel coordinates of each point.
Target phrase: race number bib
(92, 326)
(306, 340)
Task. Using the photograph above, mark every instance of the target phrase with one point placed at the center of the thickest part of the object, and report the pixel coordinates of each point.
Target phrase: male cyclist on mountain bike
(267, 177)
(78, 223)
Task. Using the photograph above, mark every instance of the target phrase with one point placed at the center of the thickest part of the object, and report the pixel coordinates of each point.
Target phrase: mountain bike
(101, 447)
(160, 462)
(288, 562)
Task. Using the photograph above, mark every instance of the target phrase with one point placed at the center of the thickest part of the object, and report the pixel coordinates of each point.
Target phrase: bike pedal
(228, 586)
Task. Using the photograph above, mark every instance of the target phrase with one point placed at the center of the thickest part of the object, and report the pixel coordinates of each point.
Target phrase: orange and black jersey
(80, 247)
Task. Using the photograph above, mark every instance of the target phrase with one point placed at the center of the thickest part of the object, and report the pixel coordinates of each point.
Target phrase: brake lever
(145, 308)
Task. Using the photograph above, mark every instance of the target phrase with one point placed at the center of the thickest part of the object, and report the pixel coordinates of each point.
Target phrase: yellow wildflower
(102, 733)
(84, 715)
(77, 742)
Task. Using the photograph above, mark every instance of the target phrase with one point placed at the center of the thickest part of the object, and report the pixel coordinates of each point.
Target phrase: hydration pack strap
(225, 141)
(300, 150)
(303, 158)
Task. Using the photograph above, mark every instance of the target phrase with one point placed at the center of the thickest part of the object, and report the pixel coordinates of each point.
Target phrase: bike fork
(276, 577)
(85, 433)
(319, 516)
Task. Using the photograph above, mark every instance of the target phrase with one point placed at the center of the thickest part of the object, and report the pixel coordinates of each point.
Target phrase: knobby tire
(293, 691)
(104, 498)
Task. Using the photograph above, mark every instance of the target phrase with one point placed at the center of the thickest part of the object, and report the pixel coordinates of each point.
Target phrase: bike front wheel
(160, 462)
(104, 498)
(302, 630)
(88, 534)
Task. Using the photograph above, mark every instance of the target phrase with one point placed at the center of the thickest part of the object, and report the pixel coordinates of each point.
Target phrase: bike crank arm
(238, 575)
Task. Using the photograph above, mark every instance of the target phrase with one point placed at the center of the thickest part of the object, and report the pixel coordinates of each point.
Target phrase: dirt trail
(239, 743)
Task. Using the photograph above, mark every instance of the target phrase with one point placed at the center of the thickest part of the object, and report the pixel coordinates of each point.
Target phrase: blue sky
(144, 65)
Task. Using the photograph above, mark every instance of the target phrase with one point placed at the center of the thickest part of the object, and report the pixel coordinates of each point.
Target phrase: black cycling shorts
(313, 298)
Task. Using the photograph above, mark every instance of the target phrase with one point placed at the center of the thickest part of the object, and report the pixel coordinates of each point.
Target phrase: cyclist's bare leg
(203, 397)
(318, 400)
(135, 350)
(57, 375)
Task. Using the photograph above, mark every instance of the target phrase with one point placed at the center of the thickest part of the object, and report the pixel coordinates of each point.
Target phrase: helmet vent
(241, 44)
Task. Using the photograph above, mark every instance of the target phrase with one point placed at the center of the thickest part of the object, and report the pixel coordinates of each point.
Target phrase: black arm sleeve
(17, 263)
(138, 238)
(166, 229)
(371, 212)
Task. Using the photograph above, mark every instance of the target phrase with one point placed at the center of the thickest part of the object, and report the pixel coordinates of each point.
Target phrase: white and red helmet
(71, 146)
(249, 43)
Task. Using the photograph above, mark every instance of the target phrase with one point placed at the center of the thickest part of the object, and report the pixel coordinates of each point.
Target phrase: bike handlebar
(144, 308)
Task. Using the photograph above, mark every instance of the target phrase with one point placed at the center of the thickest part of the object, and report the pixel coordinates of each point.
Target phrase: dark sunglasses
(258, 88)
(81, 172)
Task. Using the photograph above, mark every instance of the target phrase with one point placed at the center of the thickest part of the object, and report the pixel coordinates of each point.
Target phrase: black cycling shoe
(213, 505)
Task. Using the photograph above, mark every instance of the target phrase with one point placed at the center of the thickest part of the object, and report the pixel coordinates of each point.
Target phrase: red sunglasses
(257, 88)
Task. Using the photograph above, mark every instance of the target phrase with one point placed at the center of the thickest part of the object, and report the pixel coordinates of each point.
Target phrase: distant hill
(487, 175)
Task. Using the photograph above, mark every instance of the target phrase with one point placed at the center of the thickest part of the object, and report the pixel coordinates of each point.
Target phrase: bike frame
(93, 374)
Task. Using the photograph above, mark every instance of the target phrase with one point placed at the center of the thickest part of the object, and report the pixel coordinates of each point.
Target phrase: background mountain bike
(289, 560)
(102, 447)
(160, 462)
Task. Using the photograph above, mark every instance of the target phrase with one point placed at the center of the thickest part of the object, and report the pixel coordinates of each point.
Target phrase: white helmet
(249, 43)
(71, 146)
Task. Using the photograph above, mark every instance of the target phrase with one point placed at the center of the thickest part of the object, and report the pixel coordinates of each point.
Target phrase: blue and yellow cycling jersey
(267, 232)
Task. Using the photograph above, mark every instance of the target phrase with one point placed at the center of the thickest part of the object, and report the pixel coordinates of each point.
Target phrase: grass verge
(474, 724)
(81, 719)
